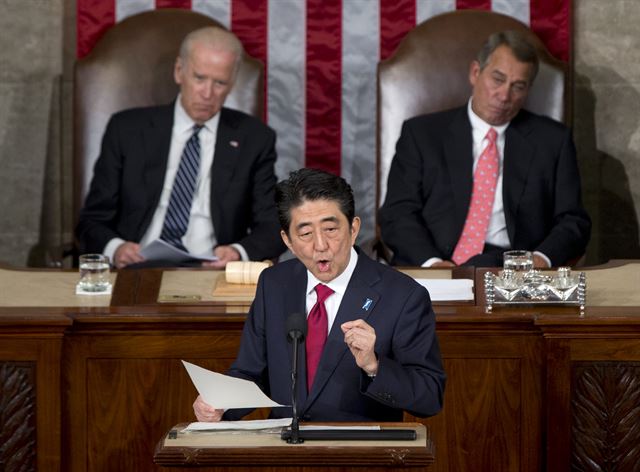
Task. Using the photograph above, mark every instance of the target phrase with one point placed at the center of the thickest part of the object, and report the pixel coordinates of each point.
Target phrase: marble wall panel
(607, 122)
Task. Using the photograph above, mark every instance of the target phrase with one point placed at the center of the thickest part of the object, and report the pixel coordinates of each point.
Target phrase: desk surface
(56, 288)
(606, 287)
(266, 448)
(45, 288)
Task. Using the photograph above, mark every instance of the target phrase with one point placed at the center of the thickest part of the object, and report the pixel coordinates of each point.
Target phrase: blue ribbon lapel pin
(367, 304)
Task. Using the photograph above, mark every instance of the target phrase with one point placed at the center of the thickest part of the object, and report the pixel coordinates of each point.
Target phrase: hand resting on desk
(224, 254)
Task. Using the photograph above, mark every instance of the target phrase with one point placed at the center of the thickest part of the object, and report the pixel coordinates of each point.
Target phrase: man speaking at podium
(371, 350)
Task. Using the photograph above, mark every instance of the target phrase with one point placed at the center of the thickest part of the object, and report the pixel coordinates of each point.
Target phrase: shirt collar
(480, 127)
(183, 123)
(339, 284)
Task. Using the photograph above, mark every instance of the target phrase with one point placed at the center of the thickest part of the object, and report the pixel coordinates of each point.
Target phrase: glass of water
(520, 262)
(94, 273)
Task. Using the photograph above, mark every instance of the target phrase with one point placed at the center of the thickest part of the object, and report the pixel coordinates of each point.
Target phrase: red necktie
(317, 332)
(473, 235)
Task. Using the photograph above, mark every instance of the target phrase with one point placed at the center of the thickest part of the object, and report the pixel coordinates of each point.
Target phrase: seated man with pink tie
(469, 183)
(371, 351)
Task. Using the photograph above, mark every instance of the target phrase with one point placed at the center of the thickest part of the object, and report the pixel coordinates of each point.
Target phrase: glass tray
(535, 288)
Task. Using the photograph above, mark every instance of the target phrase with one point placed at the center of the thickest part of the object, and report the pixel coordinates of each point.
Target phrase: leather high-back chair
(132, 66)
(430, 72)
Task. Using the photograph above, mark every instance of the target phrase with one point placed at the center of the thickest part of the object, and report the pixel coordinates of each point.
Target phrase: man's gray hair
(519, 45)
(216, 38)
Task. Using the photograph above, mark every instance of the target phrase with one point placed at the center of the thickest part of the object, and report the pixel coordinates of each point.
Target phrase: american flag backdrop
(321, 58)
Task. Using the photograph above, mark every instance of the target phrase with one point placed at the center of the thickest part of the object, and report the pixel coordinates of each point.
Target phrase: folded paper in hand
(162, 250)
(224, 392)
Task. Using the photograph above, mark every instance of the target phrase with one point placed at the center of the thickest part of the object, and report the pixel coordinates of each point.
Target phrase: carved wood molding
(17, 416)
(605, 407)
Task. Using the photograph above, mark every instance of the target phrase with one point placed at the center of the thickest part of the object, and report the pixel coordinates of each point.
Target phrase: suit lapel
(359, 301)
(228, 146)
(458, 150)
(518, 156)
(156, 139)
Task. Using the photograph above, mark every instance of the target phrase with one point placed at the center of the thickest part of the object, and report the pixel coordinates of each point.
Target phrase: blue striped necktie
(176, 220)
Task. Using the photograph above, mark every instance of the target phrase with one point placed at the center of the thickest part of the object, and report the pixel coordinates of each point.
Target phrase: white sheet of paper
(448, 290)
(222, 391)
(240, 425)
(247, 425)
(162, 250)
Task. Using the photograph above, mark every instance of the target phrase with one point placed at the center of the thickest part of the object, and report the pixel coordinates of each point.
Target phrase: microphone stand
(295, 426)
(296, 333)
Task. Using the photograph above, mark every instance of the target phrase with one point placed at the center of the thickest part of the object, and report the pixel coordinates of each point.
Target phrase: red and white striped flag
(321, 58)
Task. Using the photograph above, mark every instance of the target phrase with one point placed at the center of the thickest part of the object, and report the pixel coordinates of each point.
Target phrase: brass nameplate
(179, 298)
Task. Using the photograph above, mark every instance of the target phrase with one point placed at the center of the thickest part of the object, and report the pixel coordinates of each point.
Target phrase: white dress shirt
(339, 287)
(200, 238)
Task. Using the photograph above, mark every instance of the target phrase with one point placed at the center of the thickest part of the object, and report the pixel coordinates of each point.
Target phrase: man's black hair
(310, 185)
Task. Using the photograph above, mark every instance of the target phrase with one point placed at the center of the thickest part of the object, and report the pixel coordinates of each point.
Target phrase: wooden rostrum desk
(262, 451)
(529, 388)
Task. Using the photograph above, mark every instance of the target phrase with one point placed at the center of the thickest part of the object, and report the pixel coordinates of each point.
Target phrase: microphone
(296, 330)
(296, 326)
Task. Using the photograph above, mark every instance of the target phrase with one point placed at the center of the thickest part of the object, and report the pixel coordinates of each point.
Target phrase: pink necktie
(317, 332)
(471, 240)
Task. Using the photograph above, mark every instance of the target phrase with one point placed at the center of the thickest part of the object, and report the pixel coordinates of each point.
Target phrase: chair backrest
(430, 72)
(132, 66)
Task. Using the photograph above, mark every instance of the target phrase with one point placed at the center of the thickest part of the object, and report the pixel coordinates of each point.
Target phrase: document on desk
(162, 250)
(244, 425)
(448, 290)
(251, 425)
(224, 392)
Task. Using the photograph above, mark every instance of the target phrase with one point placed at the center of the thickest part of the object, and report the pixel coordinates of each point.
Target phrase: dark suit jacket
(129, 175)
(430, 182)
(410, 375)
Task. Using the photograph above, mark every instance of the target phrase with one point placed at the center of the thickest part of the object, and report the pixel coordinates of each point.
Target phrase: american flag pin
(367, 304)
(234, 144)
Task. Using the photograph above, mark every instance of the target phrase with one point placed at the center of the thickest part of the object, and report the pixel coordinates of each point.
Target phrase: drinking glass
(519, 261)
(94, 273)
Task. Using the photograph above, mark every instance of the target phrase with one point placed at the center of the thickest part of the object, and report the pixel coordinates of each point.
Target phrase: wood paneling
(135, 399)
(593, 389)
(605, 411)
(30, 399)
(17, 416)
(127, 390)
(492, 414)
(527, 389)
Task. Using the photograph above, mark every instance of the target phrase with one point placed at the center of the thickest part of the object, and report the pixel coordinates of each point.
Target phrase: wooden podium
(261, 451)
(100, 379)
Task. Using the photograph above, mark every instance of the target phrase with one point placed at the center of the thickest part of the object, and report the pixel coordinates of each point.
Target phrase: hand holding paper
(206, 413)
(224, 392)
(161, 250)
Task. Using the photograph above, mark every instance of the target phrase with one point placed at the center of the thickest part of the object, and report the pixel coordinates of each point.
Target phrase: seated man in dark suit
(469, 183)
(192, 173)
(371, 350)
